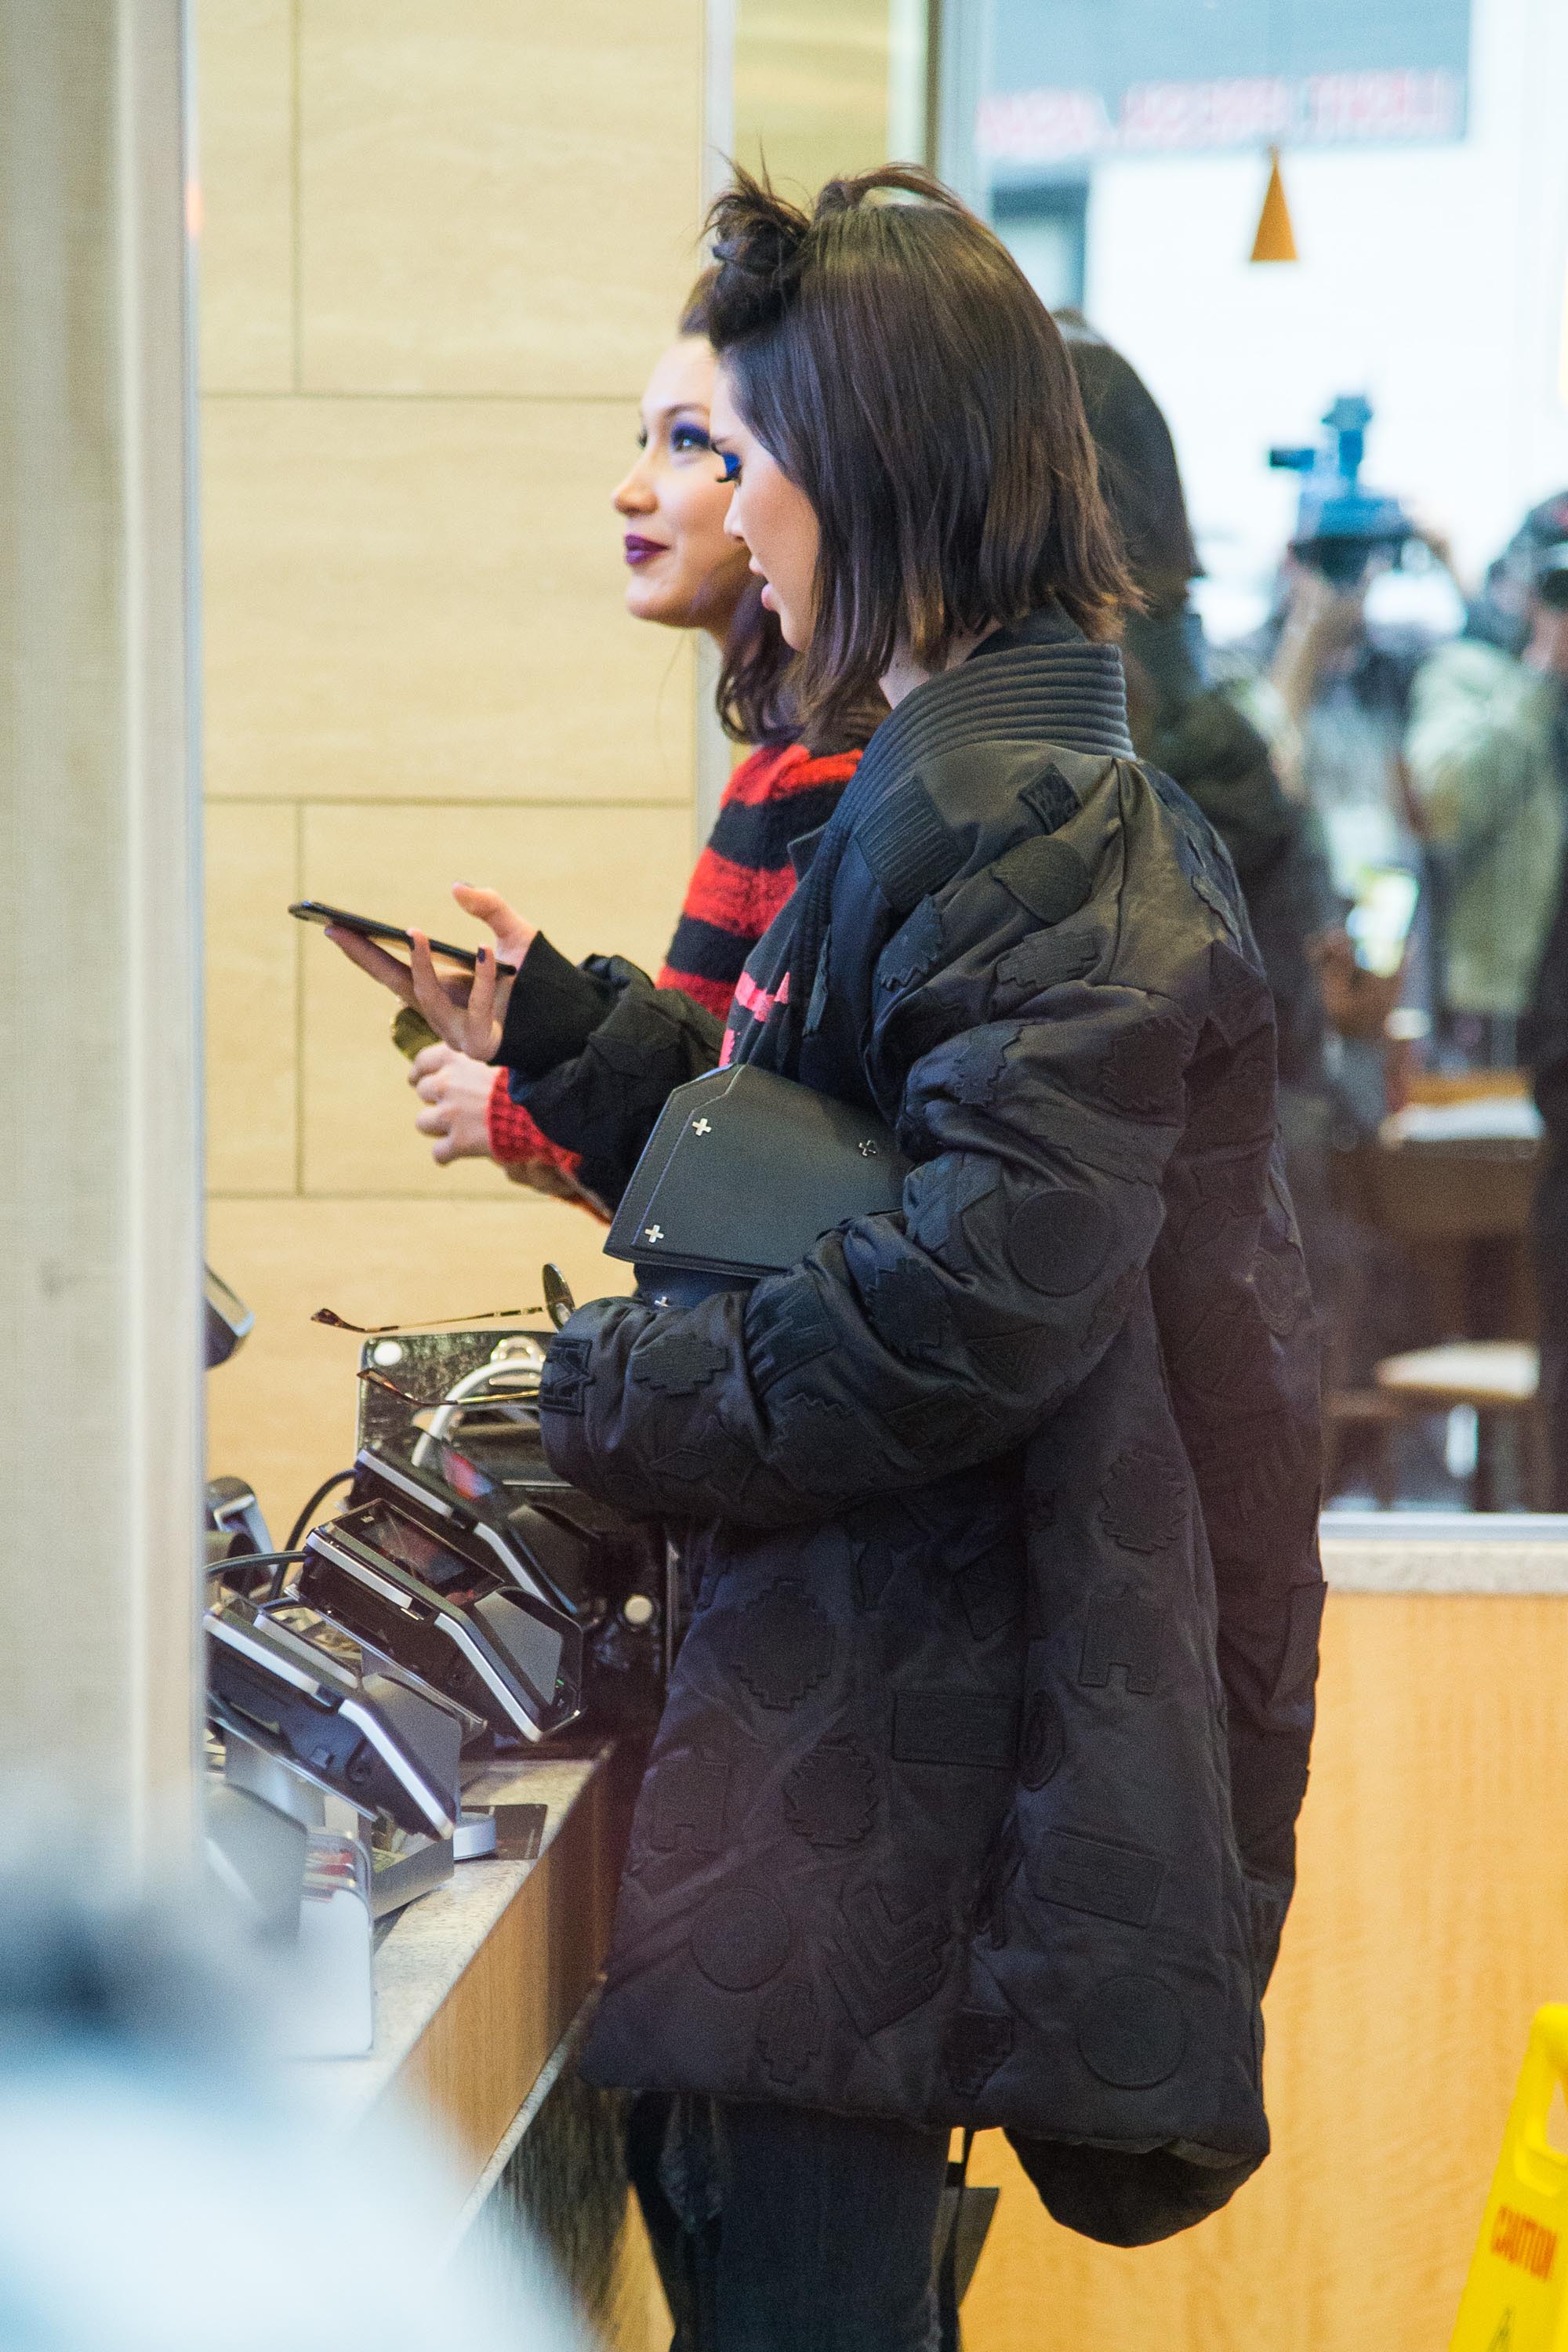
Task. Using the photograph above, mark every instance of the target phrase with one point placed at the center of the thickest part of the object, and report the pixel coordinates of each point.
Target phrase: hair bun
(759, 245)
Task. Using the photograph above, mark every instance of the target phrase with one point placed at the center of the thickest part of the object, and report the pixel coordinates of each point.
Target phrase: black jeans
(822, 2240)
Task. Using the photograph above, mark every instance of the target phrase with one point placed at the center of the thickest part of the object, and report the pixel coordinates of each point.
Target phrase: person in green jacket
(1486, 754)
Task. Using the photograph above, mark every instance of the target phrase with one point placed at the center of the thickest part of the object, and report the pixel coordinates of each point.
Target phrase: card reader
(371, 1737)
(411, 1573)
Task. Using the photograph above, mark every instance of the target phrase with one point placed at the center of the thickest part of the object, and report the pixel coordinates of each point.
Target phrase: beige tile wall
(496, 196)
(416, 599)
(811, 88)
(440, 246)
(244, 150)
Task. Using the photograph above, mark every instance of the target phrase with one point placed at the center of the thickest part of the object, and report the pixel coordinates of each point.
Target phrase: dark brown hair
(754, 701)
(756, 695)
(1138, 475)
(694, 310)
(896, 362)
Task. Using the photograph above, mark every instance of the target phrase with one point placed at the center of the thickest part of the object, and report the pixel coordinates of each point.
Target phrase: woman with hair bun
(973, 1800)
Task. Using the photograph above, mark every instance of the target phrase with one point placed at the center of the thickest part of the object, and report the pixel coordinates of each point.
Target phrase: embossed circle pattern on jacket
(1130, 2031)
(1057, 1239)
(741, 1941)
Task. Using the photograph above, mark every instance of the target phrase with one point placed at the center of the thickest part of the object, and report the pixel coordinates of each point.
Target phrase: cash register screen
(533, 1647)
(412, 1546)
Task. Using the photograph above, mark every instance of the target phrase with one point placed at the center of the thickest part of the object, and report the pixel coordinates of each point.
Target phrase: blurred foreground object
(101, 1435)
(1516, 2297)
(162, 2194)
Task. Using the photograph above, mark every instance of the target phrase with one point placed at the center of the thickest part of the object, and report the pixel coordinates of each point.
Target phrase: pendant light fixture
(1276, 239)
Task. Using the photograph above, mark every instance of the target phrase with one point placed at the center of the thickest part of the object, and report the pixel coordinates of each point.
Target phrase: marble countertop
(430, 1944)
(1452, 1552)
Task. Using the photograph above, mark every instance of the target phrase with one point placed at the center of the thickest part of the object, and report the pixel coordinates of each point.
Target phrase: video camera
(1340, 525)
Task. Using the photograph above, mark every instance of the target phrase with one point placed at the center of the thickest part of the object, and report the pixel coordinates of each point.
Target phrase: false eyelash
(730, 464)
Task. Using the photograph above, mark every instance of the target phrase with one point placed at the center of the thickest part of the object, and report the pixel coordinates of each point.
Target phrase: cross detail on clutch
(652, 1233)
(702, 1127)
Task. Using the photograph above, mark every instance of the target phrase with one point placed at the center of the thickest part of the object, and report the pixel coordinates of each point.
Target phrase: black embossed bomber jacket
(973, 1800)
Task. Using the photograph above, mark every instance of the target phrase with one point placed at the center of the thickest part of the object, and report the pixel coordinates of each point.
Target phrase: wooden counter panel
(1430, 1920)
(481, 2055)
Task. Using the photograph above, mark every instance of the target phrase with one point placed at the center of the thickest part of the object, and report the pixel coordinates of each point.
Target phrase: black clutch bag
(742, 1176)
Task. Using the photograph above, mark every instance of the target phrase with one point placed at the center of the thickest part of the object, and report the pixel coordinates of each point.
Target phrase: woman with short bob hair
(946, 502)
(973, 1800)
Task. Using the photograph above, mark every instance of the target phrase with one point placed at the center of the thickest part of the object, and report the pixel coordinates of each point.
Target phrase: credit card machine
(407, 1568)
(604, 1573)
(453, 1493)
(612, 1572)
(480, 1464)
(360, 1731)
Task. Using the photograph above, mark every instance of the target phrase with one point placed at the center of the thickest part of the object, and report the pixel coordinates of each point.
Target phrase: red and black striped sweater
(742, 878)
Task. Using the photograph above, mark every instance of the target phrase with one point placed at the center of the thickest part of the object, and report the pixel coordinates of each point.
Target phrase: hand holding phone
(366, 927)
(466, 1008)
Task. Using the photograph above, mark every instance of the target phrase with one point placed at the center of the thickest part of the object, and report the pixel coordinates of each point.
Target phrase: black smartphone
(311, 910)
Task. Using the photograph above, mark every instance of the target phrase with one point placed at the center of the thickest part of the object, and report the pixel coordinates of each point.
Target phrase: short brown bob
(754, 701)
(890, 355)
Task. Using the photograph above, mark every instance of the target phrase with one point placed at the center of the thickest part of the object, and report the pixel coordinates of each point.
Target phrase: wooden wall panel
(252, 1004)
(811, 88)
(281, 1412)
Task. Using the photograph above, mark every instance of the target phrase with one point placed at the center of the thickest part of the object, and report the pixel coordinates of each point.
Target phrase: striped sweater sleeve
(742, 878)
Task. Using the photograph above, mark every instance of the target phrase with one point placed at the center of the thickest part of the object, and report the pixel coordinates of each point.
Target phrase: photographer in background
(1486, 754)
(1343, 690)
(1536, 753)
(1187, 720)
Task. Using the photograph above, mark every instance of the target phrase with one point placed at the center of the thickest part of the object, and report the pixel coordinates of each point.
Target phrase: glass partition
(1328, 244)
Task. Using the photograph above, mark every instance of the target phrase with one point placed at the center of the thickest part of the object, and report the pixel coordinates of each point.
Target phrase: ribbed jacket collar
(1041, 682)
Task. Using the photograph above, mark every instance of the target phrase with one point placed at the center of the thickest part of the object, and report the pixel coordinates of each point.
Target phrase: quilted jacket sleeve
(909, 1344)
(592, 1050)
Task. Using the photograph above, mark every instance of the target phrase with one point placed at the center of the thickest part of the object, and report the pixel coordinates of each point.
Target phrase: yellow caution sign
(1516, 2297)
